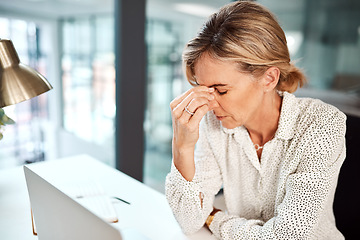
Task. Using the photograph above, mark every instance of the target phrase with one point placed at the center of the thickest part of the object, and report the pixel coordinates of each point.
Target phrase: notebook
(58, 216)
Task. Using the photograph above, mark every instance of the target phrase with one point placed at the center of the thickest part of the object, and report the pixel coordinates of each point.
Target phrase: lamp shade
(18, 82)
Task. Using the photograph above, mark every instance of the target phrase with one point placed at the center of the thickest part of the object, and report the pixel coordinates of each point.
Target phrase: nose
(214, 104)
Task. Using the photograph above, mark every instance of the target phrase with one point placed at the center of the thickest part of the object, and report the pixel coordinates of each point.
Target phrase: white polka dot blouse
(287, 195)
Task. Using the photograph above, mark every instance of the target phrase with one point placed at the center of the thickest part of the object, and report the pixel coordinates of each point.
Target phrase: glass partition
(89, 78)
(164, 70)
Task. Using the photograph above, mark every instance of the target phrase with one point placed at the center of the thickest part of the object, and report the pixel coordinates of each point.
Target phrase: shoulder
(303, 115)
(321, 131)
(317, 114)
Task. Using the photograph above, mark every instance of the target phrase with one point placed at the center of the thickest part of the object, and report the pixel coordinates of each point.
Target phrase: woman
(277, 157)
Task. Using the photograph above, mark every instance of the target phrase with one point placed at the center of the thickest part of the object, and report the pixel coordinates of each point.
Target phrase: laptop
(58, 216)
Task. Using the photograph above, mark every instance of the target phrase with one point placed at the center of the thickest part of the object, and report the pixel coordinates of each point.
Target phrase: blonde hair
(248, 34)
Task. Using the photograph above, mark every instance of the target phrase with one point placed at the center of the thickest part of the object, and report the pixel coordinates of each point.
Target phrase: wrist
(184, 163)
(183, 152)
(182, 149)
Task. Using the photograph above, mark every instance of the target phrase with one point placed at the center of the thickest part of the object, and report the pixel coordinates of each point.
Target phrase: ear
(271, 78)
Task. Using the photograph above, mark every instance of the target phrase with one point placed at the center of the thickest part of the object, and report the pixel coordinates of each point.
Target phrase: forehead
(210, 71)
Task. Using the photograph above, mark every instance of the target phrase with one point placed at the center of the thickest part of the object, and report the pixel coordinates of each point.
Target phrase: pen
(122, 200)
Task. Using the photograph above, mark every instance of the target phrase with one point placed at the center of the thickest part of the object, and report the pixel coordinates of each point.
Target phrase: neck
(264, 123)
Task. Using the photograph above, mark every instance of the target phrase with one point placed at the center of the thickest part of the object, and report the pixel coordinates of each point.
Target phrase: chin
(229, 125)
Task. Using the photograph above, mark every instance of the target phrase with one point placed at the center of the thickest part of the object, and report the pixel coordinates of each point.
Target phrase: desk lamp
(18, 82)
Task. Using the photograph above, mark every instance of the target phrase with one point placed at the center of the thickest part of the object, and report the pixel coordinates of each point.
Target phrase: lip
(220, 117)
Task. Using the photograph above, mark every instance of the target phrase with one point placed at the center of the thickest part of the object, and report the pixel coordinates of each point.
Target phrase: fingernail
(211, 89)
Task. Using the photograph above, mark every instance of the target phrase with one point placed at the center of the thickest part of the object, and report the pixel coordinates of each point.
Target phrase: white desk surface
(148, 210)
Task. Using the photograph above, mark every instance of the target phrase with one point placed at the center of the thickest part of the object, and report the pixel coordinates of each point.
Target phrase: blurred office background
(72, 43)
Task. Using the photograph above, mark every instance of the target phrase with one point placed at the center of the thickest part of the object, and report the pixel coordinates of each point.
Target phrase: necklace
(258, 147)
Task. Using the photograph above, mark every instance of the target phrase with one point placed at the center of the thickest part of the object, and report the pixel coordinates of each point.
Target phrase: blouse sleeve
(307, 189)
(192, 202)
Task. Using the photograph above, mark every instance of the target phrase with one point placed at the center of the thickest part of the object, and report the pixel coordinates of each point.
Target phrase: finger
(185, 95)
(181, 98)
(198, 101)
(179, 109)
(195, 103)
(191, 123)
(196, 118)
(187, 113)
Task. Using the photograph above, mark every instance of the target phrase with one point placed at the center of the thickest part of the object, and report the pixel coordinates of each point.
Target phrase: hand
(197, 101)
(187, 111)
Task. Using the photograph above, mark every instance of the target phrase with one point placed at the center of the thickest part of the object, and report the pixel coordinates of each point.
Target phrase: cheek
(236, 105)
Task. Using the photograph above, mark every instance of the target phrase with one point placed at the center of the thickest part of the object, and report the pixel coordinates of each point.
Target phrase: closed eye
(221, 92)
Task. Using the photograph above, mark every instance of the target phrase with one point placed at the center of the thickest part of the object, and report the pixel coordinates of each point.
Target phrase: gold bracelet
(210, 218)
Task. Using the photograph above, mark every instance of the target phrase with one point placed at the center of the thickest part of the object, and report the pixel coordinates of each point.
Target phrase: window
(164, 72)
(89, 78)
(25, 141)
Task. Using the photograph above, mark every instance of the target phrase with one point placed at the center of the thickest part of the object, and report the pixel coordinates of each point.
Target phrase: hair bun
(295, 78)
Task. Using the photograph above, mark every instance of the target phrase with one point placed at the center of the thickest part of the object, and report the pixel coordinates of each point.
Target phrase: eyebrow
(218, 85)
(214, 85)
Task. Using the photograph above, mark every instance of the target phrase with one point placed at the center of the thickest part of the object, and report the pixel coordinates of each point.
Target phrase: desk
(149, 209)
